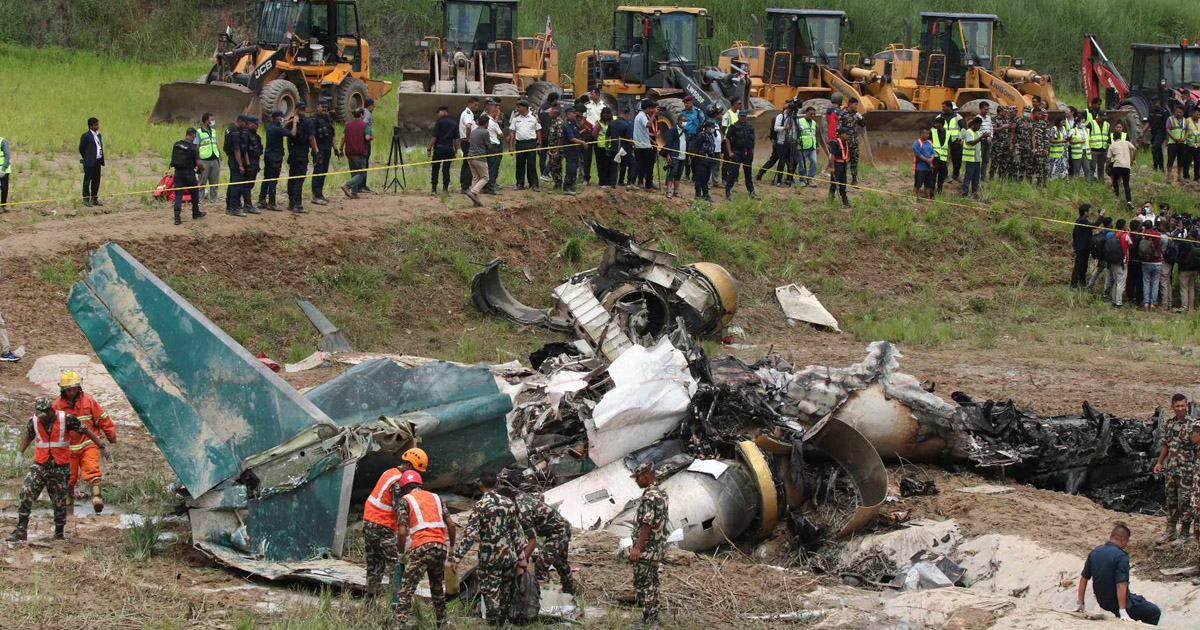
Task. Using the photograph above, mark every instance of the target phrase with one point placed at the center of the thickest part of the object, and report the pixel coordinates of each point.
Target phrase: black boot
(21, 533)
(58, 531)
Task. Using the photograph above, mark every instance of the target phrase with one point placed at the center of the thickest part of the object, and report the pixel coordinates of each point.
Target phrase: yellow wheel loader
(303, 50)
(659, 52)
(478, 54)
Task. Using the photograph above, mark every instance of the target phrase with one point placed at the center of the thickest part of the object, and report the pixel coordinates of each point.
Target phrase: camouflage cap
(643, 467)
(41, 405)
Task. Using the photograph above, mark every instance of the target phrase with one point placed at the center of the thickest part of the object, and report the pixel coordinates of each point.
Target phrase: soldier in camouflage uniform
(495, 523)
(49, 431)
(554, 141)
(1040, 152)
(427, 558)
(553, 538)
(647, 551)
(1022, 154)
(1177, 464)
(1002, 144)
(852, 119)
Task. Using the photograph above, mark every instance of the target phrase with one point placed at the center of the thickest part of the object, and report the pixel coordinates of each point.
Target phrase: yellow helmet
(417, 458)
(70, 379)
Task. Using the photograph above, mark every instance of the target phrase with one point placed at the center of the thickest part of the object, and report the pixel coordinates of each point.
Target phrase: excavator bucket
(188, 100)
(417, 111)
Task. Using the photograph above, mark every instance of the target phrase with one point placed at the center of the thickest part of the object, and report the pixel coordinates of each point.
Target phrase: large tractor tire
(972, 107)
(410, 87)
(668, 111)
(505, 89)
(761, 103)
(537, 93)
(907, 106)
(820, 104)
(610, 102)
(349, 96)
(281, 95)
(1128, 116)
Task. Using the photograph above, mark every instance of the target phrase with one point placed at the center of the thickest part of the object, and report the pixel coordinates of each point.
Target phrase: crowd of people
(1141, 261)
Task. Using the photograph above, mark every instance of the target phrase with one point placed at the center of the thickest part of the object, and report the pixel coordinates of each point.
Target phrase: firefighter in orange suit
(85, 454)
(379, 519)
(426, 531)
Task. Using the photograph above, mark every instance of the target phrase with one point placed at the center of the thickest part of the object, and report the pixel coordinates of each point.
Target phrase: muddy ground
(279, 253)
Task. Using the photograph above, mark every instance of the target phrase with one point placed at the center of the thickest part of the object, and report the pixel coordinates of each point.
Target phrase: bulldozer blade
(417, 111)
(188, 100)
(890, 134)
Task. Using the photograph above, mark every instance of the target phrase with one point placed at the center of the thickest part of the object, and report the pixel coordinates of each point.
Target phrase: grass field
(1047, 33)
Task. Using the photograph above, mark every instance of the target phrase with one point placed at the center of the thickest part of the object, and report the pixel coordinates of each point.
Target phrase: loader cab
(649, 39)
(329, 30)
(953, 43)
(1157, 67)
(800, 40)
(481, 26)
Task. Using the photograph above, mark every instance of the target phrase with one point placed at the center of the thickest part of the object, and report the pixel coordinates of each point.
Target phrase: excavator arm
(1098, 73)
(838, 83)
(874, 85)
(1002, 92)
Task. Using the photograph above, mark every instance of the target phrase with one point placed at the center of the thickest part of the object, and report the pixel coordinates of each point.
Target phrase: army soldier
(554, 142)
(274, 162)
(324, 133)
(647, 551)
(851, 120)
(252, 150)
(379, 519)
(1022, 155)
(185, 159)
(48, 431)
(495, 523)
(425, 531)
(233, 151)
(1176, 463)
(552, 535)
(1001, 157)
(1040, 149)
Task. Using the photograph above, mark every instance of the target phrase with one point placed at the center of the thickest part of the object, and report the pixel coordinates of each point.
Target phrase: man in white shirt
(466, 122)
(985, 112)
(524, 137)
(643, 144)
(784, 134)
(495, 148)
(591, 125)
(1121, 154)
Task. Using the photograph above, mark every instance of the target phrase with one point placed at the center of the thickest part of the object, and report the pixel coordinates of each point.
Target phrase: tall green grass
(1047, 33)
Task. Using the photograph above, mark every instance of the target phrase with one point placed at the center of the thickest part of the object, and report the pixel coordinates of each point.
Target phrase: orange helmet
(417, 458)
(410, 477)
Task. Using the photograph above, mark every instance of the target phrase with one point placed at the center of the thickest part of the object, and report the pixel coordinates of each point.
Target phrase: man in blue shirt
(620, 137)
(694, 121)
(923, 166)
(574, 142)
(1108, 568)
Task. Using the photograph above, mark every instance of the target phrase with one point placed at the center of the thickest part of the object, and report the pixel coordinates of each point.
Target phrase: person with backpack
(1150, 251)
(702, 158)
(739, 146)
(1099, 240)
(1170, 254)
(1081, 237)
(1189, 269)
(1133, 290)
(1116, 256)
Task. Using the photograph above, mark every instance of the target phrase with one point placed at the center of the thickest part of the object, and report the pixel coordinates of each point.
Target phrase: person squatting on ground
(185, 159)
(647, 552)
(1177, 464)
(495, 524)
(1107, 567)
(85, 454)
(379, 520)
(425, 531)
(48, 430)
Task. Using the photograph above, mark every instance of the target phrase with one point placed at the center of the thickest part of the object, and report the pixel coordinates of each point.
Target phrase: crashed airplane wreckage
(268, 474)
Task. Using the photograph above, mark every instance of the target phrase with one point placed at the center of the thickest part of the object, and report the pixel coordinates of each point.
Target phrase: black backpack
(1098, 241)
(741, 136)
(1170, 251)
(1112, 250)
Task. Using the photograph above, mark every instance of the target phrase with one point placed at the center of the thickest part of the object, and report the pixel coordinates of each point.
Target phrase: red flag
(548, 36)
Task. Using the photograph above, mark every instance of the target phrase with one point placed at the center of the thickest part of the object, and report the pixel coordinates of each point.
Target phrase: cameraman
(783, 146)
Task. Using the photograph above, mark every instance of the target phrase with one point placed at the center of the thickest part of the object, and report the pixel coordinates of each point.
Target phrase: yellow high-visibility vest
(206, 141)
(1098, 133)
(941, 151)
(971, 153)
(808, 134)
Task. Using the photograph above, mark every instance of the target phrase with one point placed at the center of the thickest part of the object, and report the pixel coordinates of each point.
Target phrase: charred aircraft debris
(268, 474)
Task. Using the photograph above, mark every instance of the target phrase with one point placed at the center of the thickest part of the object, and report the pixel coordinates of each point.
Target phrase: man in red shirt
(85, 453)
(356, 144)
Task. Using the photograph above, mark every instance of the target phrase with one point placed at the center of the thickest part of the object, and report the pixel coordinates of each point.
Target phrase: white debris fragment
(801, 305)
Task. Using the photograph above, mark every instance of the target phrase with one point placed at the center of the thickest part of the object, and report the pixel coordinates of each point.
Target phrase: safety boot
(97, 500)
(21, 533)
(58, 532)
(1185, 532)
(1168, 534)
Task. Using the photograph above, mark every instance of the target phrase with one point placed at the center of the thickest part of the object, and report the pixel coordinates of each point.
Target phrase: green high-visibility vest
(1177, 130)
(603, 137)
(1098, 133)
(206, 141)
(1193, 132)
(1057, 150)
(941, 150)
(1079, 149)
(5, 167)
(1112, 137)
(808, 134)
(970, 152)
(952, 128)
